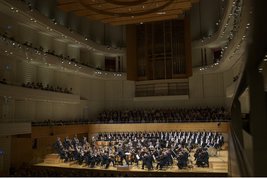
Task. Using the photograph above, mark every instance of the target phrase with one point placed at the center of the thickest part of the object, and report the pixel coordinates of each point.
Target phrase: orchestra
(131, 148)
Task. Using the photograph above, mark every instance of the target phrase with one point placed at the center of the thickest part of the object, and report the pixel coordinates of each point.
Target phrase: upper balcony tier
(21, 93)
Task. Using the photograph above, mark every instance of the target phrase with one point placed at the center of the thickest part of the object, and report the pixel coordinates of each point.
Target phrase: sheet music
(137, 156)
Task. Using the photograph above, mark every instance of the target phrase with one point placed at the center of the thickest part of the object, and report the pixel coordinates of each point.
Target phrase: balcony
(22, 93)
(15, 128)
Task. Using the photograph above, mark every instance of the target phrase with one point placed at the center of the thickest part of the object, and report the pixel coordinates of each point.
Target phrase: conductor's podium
(52, 159)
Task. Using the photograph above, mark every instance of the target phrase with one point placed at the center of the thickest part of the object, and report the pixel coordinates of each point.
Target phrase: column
(237, 120)
(258, 122)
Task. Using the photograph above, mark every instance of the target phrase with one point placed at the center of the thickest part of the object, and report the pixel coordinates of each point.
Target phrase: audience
(35, 171)
(207, 114)
(235, 78)
(60, 122)
(28, 46)
(47, 87)
(40, 86)
(3, 81)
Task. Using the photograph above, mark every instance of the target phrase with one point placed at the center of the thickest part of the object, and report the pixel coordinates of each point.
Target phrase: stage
(218, 166)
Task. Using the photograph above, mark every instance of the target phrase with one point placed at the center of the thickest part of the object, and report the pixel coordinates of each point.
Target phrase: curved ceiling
(121, 12)
(206, 17)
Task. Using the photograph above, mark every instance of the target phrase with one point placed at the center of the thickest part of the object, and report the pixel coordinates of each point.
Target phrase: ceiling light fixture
(161, 13)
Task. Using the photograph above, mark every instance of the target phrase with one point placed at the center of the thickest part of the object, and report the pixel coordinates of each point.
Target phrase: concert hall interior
(133, 88)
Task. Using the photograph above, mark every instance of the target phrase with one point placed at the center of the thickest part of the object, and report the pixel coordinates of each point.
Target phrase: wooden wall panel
(94, 128)
(21, 151)
(73, 129)
(41, 131)
(5, 146)
(46, 131)
(188, 47)
(131, 52)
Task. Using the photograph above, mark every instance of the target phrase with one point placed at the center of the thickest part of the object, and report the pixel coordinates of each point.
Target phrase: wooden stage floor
(217, 165)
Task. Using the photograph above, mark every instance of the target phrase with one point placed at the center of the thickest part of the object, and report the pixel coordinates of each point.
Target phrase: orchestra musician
(202, 157)
(105, 160)
(147, 161)
(61, 150)
(162, 160)
(182, 159)
(133, 147)
(122, 156)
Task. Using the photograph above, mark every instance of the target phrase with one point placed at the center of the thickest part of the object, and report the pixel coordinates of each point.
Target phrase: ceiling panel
(120, 12)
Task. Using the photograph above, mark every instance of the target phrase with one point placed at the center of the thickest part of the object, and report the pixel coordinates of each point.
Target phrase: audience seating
(208, 114)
